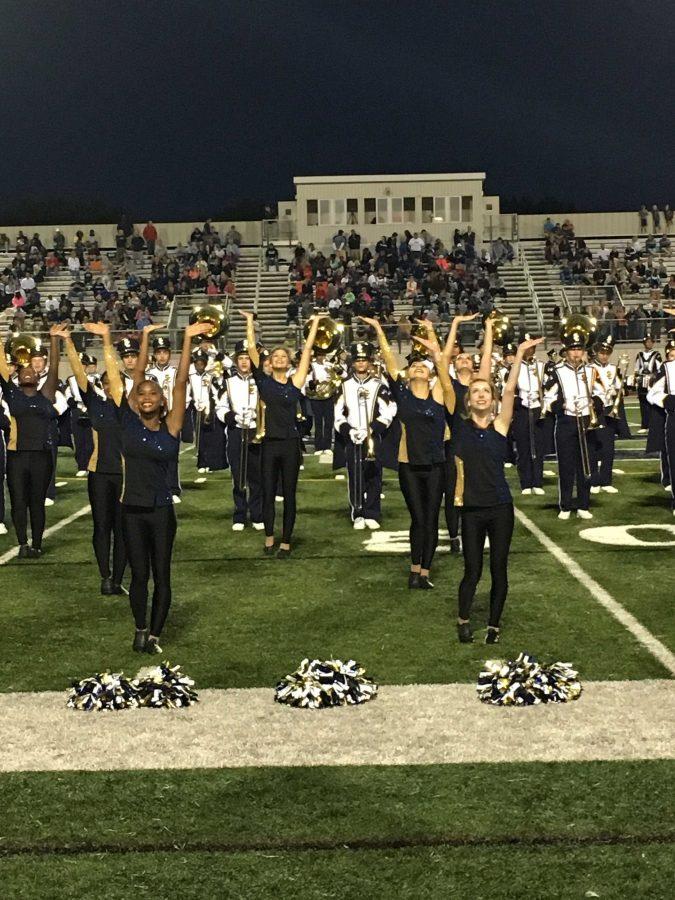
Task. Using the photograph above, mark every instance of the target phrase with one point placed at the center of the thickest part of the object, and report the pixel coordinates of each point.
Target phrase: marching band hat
(552, 353)
(606, 344)
(576, 340)
(361, 350)
(161, 343)
(200, 355)
(88, 360)
(128, 347)
(509, 350)
(670, 344)
(39, 350)
(648, 337)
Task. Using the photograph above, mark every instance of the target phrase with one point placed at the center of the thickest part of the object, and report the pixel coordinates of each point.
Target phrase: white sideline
(418, 724)
(630, 623)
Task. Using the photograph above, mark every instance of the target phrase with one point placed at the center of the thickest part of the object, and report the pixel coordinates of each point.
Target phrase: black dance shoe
(414, 580)
(152, 646)
(117, 589)
(425, 584)
(24, 551)
(107, 586)
(492, 635)
(269, 551)
(140, 640)
(455, 545)
(283, 553)
(35, 553)
(464, 633)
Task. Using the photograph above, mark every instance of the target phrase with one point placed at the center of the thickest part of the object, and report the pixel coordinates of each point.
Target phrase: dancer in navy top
(281, 450)
(150, 441)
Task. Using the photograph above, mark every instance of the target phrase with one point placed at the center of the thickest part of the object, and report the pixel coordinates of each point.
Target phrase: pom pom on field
(103, 691)
(526, 682)
(164, 687)
(318, 684)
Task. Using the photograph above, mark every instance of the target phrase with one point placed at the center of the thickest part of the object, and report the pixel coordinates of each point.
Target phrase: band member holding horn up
(569, 394)
(150, 442)
(480, 438)
(281, 453)
(238, 408)
(33, 436)
(104, 466)
(209, 432)
(421, 455)
(364, 410)
(609, 386)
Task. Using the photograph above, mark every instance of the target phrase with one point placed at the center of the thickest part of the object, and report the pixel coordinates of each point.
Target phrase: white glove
(243, 420)
(358, 435)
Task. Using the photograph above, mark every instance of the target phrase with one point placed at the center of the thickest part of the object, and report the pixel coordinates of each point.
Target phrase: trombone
(362, 403)
(584, 427)
(245, 440)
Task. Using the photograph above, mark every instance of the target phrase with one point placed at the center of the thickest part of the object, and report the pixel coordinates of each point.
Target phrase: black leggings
(280, 458)
(28, 475)
(452, 512)
(422, 488)
(149, 533)
(495, 522)
(105, 491)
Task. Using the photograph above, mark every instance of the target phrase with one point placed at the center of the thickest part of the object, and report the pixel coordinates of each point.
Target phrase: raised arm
(4, 368)
(56, 334)
(443, 391)
(115, 385)
(503, 420)
(387, 353)
(454, 328)
(485, 370)
(144, 353)
(76, 364)
(300, 375)
(250, 337)
(174, 420)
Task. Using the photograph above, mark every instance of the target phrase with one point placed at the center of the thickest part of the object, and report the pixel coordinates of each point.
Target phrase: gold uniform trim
(459, 483)
(13, 434)
(93, 459)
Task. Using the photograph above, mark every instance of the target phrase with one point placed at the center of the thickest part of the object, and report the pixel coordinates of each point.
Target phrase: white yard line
(604, 598)
(404, 725)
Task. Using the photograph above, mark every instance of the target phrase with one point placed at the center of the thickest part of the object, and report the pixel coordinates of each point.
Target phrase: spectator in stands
(668, 216)
(91, 243)
(137, 246)
(233, 236)
(271, 257)
(549, 226)
(643, 217)
(292, 308)
(340, 244)
(120, 245)
(5, 243)
(150, 237)
(125, 225)
(416, 246)
(74, 264)
(354, 245)
(59, 241)
(51, 309)
(656, 218)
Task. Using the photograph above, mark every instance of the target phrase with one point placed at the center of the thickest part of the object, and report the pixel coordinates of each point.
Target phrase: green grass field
(508, 830)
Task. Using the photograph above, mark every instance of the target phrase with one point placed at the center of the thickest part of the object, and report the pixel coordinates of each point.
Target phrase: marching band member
(570, 393)
(4, 434)
(150, 442)
(647, 366)
(323, 411)
(364, 410)
(281, 453)
(30, 451)
(128, 350)
(104, 467)
(528, 431)
(481, 449)
(165, 375)
(609, 382)
(80, 423)
(662, 425)
(209, 431)
(238, 409)
(421, 457)
(39, 361)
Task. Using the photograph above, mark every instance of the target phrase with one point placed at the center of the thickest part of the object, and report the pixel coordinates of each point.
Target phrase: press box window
(369, 211)
(467, 209)
(352, 211)
(427, 209)
(312, 212)
(408, 209)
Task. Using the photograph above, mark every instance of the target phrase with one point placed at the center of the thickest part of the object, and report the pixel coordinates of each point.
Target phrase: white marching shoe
(595, 489)
(526, 491)
(3, 528)
(176, 499)
(584, 514)
(539, 491)
(81, 473)
(373, 524)
(564, 514)
(238, 526)
(359, 524)
(643, 431)
(278, 498)
(258, 526)
(49, 501)
(609, 489)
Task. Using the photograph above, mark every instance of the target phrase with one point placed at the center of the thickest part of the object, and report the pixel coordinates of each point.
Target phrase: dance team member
(150, 441)
(281, 454)
(105, 478)
(33, 435)
(421, 456)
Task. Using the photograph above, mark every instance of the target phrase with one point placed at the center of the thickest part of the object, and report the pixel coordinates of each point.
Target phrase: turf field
(513, 829)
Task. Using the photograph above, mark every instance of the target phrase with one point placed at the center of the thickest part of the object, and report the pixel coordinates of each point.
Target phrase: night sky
(173, 108)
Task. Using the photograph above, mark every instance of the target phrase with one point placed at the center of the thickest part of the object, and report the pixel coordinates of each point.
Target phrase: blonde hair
(475, 378)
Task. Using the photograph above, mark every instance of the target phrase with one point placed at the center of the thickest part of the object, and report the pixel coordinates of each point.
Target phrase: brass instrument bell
(20, 347)
(215, 316)
(328, 335)
(502, 329)
(578, 331)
